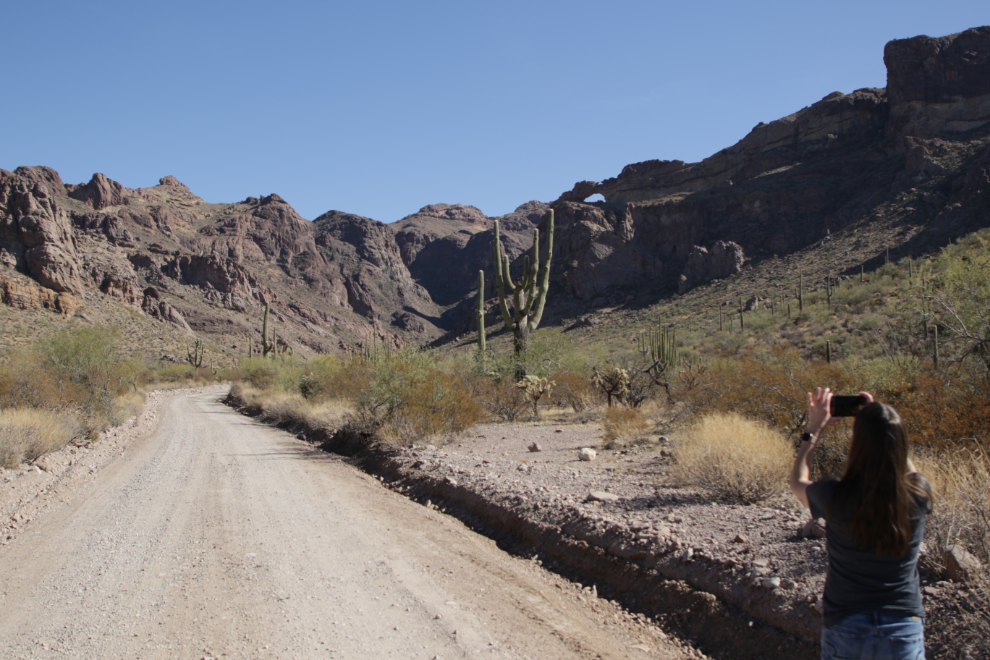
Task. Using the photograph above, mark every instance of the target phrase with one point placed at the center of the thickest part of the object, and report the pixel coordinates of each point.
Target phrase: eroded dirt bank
(212, 535)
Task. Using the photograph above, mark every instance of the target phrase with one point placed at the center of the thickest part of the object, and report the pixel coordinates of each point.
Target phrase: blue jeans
(875, 636)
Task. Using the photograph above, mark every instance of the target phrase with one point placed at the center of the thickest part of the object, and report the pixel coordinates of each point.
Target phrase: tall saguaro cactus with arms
(528, 295)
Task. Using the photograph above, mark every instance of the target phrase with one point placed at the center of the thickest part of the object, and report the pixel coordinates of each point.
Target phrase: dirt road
(216, 536)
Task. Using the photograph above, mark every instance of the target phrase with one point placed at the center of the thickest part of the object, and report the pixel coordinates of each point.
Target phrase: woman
(875, 519)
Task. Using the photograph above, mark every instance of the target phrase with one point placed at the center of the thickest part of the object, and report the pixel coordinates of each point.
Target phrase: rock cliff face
(35, 231)
(795, 180)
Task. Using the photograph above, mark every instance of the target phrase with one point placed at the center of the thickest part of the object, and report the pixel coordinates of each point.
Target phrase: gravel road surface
(216, 536)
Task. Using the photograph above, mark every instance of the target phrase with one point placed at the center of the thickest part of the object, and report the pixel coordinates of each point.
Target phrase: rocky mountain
(915, 153)
(900, 169)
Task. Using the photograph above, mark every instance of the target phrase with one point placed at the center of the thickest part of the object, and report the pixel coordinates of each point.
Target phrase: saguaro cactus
(267, 346)
(527, 299)
(196, 354)
(481, 312)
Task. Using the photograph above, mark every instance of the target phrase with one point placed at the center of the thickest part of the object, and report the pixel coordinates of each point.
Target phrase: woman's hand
(819, 413)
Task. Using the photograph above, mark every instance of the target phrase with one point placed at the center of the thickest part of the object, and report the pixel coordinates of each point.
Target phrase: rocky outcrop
(724, 259)
(363, 257)
(156, 307)
(27, 295)
(938, 86)
(211, 272)
(123, 289)
(444, 246)
(101, 192)
(35, 232)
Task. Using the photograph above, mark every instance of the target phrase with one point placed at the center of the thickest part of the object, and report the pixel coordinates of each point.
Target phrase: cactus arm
(264, 331)
(508, 277)
(541, 295)
(481, 312)
(533, 263)
(501, 275)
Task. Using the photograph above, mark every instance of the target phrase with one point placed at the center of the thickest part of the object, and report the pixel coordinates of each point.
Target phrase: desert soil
(196, 532)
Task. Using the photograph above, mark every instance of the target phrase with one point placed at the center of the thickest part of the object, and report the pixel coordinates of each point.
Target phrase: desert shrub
(329, 377)
(435, 405)
(500, 398)
(408, 398)
(574, 390)
(89, 357)
(27, 434)
(261, 372)
(175, 373)
(624, 426)
(734, 458)
(765, 385)
(761, 321)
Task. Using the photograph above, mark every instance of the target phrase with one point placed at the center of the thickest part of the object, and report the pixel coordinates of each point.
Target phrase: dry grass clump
(292, 408)
(734, 458)
(624, 426)
(27, 434)
(961, 512)
(961, 516)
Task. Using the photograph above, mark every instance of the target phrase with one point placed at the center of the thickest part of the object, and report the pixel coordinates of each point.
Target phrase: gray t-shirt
(862, 581)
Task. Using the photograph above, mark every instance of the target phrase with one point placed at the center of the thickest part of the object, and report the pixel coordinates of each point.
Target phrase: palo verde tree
(527, 299)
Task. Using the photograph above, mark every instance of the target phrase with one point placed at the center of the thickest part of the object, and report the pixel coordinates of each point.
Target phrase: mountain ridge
(915, 154)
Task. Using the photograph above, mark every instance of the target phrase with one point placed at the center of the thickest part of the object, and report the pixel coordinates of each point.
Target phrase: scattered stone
(770, 583)
(960, 565)
(535, 447)
(666, 453)
(601, 496)
(587, 454)
(741, 538)
(813, 529)
(787, 583)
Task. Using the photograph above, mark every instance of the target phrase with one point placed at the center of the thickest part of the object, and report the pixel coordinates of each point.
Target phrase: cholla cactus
(614, 383)
(535, 387)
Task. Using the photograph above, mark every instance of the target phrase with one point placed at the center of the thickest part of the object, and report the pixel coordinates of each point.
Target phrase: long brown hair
(877, 478)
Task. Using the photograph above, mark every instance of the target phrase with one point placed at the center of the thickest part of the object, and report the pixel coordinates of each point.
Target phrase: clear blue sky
(379, 108)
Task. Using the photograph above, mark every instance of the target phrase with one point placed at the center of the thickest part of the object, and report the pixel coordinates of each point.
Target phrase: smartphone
(846, 405)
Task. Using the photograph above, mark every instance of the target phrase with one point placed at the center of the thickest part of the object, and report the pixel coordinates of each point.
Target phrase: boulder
(960, 565)
(703, 265)
(813, 529)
